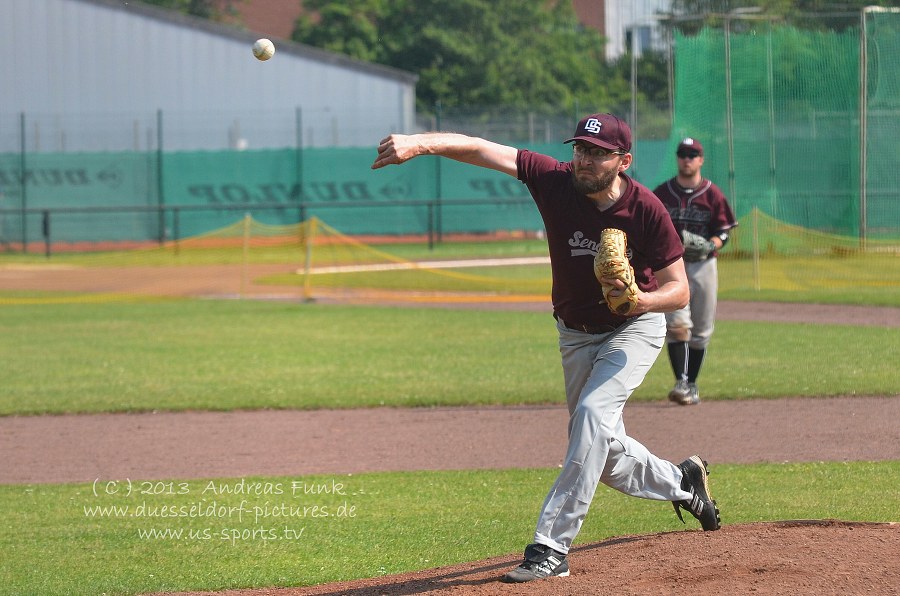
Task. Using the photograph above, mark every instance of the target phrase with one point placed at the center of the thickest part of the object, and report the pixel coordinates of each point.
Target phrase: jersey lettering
(583, 246)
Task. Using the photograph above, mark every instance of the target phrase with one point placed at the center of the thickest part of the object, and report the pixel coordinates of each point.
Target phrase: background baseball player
(703, 218)
(605, 356)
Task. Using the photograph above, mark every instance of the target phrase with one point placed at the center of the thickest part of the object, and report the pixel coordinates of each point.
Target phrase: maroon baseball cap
(690, 145)
(604, 130)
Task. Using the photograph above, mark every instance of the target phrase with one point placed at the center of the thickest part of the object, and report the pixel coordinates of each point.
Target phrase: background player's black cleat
(540, 561)
(702, 506)
(680, 393)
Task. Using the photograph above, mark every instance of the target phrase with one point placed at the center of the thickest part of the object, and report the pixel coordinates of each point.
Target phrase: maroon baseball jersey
(702, 210)
(573, 225)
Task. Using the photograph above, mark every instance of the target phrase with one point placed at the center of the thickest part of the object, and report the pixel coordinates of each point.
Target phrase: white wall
(91, 75)
(622, 15)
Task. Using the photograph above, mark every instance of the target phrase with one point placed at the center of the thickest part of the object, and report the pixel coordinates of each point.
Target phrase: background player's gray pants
(700, 314)
(601, 372)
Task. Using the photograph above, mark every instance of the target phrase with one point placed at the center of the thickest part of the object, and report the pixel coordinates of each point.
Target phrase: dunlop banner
(211, 189)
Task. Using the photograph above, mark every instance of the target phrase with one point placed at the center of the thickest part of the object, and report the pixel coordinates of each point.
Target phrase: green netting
(778, 111)
(882, 116)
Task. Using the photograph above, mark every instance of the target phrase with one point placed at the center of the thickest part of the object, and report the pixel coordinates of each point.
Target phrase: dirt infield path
(229, 444)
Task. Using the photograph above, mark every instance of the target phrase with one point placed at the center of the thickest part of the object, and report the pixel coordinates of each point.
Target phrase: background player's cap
(689, 146)
(603, 130)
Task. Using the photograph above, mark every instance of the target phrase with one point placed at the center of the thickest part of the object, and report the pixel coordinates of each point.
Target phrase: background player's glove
(696, 247)
(611, 262)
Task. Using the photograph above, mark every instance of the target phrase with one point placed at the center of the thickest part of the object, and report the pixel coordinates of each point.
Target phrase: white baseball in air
(263, 49)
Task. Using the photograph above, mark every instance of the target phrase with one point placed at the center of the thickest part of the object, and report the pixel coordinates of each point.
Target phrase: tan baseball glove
(611, 261)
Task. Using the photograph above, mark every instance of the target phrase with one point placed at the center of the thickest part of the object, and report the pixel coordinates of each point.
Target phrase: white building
(110, 75)
(634, 21)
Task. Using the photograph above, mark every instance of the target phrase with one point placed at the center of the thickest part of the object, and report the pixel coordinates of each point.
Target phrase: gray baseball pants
(699, 316)
(601, 372)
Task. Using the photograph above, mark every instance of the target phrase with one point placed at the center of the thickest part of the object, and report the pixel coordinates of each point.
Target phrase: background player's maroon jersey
(702, 210)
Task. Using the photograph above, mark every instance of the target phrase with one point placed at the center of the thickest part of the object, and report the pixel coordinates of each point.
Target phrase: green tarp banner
(209, 190)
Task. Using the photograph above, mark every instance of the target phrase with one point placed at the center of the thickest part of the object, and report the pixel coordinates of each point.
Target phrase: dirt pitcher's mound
(805, 557)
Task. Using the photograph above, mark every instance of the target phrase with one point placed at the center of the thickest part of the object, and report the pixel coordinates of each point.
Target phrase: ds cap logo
(604, 130)
(593, 125)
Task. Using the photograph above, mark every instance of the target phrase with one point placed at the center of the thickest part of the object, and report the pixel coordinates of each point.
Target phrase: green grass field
(224, 355)
(179, 535)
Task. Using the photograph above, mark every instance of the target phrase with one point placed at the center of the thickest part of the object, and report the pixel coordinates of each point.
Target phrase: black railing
(173, 213)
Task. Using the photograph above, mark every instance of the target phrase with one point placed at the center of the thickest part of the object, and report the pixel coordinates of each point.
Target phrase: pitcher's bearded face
(588, 180)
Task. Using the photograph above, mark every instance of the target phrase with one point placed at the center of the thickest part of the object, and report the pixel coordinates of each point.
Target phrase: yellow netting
(768, 254)
(249, 259)
(312, 260)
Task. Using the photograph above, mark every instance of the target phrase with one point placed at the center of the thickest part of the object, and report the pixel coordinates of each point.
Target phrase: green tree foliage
(214, 10)
(651, 71)
(474, 52)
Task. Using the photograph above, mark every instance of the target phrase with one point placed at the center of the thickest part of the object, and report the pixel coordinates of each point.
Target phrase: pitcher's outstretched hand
(396, 149)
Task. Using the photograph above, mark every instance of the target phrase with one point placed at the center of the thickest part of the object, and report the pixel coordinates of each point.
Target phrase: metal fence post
(298, 116)
(22, 183)
(176, 228)
(437, 179)
(431, 225)
(160, 193)
(863, 125)
(245, 258)
(45, 227)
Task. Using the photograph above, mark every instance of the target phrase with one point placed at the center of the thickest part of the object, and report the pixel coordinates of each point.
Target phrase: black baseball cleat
(540, 561)
(702, 506)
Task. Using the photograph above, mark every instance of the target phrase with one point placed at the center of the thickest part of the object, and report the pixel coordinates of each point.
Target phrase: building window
(644, 39)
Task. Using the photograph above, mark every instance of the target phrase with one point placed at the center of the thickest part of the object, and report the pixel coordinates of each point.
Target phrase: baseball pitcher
(617, 266)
